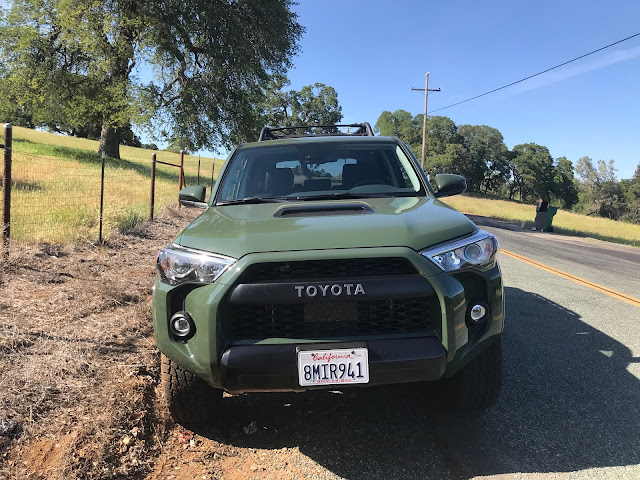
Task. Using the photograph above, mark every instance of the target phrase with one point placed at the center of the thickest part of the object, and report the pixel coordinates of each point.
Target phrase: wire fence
(51, 201)
(57, 199)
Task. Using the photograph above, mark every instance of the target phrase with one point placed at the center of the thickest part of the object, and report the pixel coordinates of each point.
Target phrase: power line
(539, 73)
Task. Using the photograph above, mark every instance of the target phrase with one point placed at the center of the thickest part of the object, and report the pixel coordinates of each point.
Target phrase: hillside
(56, 192)
(563, 222)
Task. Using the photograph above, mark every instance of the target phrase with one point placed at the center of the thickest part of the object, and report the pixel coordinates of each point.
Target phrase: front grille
(339, 268)
(330, 320)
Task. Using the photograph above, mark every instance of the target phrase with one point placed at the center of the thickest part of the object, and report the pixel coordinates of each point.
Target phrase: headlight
(478, 250)
(178, 265)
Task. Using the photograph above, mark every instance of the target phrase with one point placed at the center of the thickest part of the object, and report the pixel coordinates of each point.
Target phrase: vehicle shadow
(568, 403)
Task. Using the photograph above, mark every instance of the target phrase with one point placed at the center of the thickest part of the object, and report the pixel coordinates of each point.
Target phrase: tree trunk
(110, 141)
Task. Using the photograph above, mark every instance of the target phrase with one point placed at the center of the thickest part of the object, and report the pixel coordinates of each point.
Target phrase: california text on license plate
(333, 367)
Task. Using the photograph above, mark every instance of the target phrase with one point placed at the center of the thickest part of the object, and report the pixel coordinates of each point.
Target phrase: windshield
(323, 169)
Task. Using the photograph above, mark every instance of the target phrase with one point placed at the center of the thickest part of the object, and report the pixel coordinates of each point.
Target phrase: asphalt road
(569, 408)
(608, 264)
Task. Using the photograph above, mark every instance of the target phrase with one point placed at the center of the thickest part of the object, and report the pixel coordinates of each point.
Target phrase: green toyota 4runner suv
(326, 261)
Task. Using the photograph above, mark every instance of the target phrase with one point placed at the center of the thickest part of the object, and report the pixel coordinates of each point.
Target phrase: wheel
(477, 386)
(190, 399)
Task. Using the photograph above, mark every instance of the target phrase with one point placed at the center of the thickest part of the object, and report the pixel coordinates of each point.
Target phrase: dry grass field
(563, 221)
(56, 194)
(80, 367)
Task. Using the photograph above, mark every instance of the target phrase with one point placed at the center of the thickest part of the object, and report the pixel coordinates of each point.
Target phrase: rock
(7, 427)
(126, 440)
(185, 436)
(251, 428)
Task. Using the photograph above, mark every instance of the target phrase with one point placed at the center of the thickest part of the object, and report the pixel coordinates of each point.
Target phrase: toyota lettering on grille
(335, 289)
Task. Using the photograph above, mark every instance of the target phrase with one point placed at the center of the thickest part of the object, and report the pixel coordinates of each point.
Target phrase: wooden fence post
(181, 175)
(181, 178)
(6, 191)
(153, 185)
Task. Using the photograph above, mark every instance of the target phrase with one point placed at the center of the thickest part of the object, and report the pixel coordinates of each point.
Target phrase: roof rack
(268, 133)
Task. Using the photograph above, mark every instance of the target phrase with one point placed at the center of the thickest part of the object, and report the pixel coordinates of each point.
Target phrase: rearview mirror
(449, 184)
(193, 196)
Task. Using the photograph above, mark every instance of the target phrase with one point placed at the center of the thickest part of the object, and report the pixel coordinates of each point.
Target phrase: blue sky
(373, 52)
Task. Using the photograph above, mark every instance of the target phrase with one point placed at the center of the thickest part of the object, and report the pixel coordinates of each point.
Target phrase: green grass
(56, 186)
(563, 221)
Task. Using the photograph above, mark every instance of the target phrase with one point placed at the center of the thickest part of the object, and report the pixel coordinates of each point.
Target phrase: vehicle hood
(237, 230)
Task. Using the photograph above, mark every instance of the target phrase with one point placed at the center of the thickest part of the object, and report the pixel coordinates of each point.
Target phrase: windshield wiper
(252, 200)
(304, 198)
(340, 195)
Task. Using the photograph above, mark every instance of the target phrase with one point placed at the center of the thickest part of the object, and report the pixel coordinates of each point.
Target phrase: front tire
(190, 399)
(477, 386)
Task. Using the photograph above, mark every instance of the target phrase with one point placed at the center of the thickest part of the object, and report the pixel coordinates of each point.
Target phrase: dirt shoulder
(80, 395)
(79, 363)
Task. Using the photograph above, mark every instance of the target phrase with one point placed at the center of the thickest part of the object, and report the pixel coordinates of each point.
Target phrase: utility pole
(426, 91)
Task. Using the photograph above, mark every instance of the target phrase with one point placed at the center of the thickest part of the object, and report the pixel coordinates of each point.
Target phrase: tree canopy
(526, 172)
(313, 104)
(72, 65)
(488, 159)
(401, 124)
(533, 170)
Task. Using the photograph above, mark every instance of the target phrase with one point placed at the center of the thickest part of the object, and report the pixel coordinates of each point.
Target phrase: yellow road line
(581, 281)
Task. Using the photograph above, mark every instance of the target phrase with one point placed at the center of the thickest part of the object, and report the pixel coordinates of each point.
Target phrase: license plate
(333, 367)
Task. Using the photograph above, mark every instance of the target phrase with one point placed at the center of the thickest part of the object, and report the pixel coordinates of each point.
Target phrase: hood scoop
(326, 209)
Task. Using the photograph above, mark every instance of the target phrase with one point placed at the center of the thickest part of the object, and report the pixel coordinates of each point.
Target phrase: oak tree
(189, 69)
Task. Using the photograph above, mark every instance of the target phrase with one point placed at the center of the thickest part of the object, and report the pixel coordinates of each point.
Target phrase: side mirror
(449, 184)
(193, 196)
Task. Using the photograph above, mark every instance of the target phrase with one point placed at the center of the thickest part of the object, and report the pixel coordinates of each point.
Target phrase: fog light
(182, 326)
(477, 312)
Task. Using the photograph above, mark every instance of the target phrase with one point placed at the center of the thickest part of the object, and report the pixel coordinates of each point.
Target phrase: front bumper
(270, 364)
(272, 368)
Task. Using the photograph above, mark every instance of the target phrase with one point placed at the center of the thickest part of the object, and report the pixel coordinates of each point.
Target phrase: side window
(405, 176)
(231, 189)
(408, 174)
